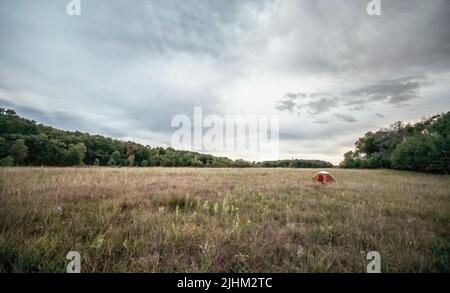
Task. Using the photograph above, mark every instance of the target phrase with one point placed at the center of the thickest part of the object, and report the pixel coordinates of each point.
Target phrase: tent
(324, 177)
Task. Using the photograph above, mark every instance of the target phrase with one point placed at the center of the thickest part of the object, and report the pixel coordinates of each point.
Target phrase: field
(222, 220)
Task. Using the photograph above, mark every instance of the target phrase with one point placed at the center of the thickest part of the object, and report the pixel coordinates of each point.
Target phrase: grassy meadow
(222, 220)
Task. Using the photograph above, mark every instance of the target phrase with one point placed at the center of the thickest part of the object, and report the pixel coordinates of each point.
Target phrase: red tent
(324, 177)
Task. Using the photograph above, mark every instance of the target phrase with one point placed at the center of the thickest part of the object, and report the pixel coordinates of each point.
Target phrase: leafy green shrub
(6, 162)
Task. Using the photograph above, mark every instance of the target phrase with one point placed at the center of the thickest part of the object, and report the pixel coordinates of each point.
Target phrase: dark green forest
(23, 142)
(296, 164)
(423, 146)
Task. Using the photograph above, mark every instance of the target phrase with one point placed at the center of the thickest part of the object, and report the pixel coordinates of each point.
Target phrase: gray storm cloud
(398, 92)
(124, 69)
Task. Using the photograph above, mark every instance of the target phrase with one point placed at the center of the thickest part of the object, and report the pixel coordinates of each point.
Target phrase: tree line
(296, 163)
(24, 142)
(423, 146)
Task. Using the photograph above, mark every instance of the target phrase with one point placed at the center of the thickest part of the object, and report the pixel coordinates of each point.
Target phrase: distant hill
(24, 142)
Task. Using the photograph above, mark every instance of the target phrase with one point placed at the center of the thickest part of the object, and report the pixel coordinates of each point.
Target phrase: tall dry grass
(222, 220)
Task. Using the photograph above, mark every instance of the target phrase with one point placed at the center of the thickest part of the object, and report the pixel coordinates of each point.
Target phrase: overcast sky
(125, 68)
